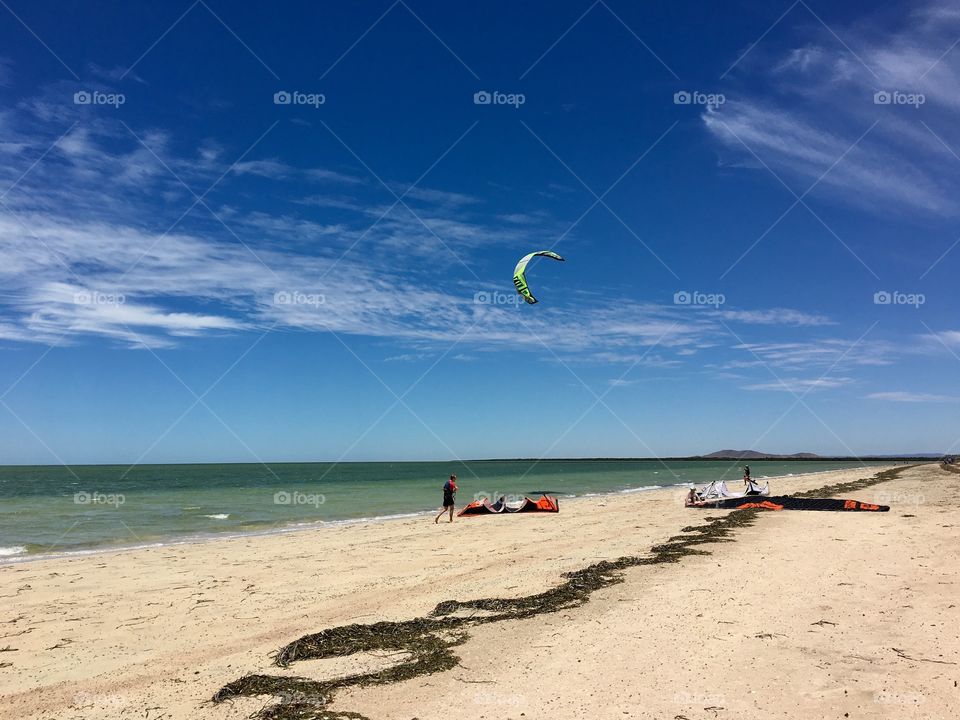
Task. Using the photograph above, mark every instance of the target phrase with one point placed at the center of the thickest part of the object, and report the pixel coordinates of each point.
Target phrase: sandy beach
(801, 615)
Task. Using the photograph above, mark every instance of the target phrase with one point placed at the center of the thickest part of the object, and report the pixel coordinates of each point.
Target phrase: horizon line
(762, 458)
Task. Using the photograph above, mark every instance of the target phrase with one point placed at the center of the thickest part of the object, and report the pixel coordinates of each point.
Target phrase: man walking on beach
(449, 494)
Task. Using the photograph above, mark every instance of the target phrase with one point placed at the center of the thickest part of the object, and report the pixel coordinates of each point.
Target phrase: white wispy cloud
(276, 169)
(833, 352)
(525, 218)
(912, 397)
(87, 251)
(334, 176)
(115, 74)
(432, 196)
(950, 337)
(172, 283)
(180, 284)
(933, 342)
(407, 357)
(811, 105)
(801, 385)
(57, 309)
(268, 168)
(776, 316)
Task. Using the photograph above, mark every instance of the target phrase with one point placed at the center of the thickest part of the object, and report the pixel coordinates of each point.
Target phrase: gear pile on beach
(427, 642)
(788, 502)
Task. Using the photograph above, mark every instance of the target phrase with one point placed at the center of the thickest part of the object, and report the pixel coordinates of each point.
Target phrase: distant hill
(754, 455)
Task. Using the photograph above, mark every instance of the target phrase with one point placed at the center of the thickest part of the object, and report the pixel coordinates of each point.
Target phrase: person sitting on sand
(449, 494)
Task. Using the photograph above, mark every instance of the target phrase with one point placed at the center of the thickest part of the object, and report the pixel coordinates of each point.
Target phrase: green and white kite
(518, 274)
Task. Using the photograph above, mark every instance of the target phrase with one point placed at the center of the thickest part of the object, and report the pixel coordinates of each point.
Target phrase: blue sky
(758, 204)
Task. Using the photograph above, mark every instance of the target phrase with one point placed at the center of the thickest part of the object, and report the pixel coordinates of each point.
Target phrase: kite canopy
(520, 281)
(544, 503)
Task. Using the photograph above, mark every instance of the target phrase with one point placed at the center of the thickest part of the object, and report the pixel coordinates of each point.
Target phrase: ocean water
(52, 510)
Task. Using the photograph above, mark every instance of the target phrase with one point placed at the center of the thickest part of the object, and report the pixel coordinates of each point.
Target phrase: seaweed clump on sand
(426, 644)
(854, 485)
(581, 584)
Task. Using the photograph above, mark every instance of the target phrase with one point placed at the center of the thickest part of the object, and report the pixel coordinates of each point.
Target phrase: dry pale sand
(805, 615)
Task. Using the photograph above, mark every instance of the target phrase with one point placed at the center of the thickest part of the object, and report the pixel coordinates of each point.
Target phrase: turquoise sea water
(54, 510)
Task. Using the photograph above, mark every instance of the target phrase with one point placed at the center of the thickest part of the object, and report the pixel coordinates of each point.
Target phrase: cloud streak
(809, 106)
(88, 252)
(912, 397)
(801, 385)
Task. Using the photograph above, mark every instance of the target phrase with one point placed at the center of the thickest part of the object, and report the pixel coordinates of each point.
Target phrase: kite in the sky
(518, 274)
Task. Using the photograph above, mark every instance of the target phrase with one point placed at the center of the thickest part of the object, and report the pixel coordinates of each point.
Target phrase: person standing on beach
(449, 496)
(748, 481)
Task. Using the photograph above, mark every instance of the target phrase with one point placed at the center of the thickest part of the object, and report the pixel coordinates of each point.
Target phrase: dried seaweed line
(430, 640)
